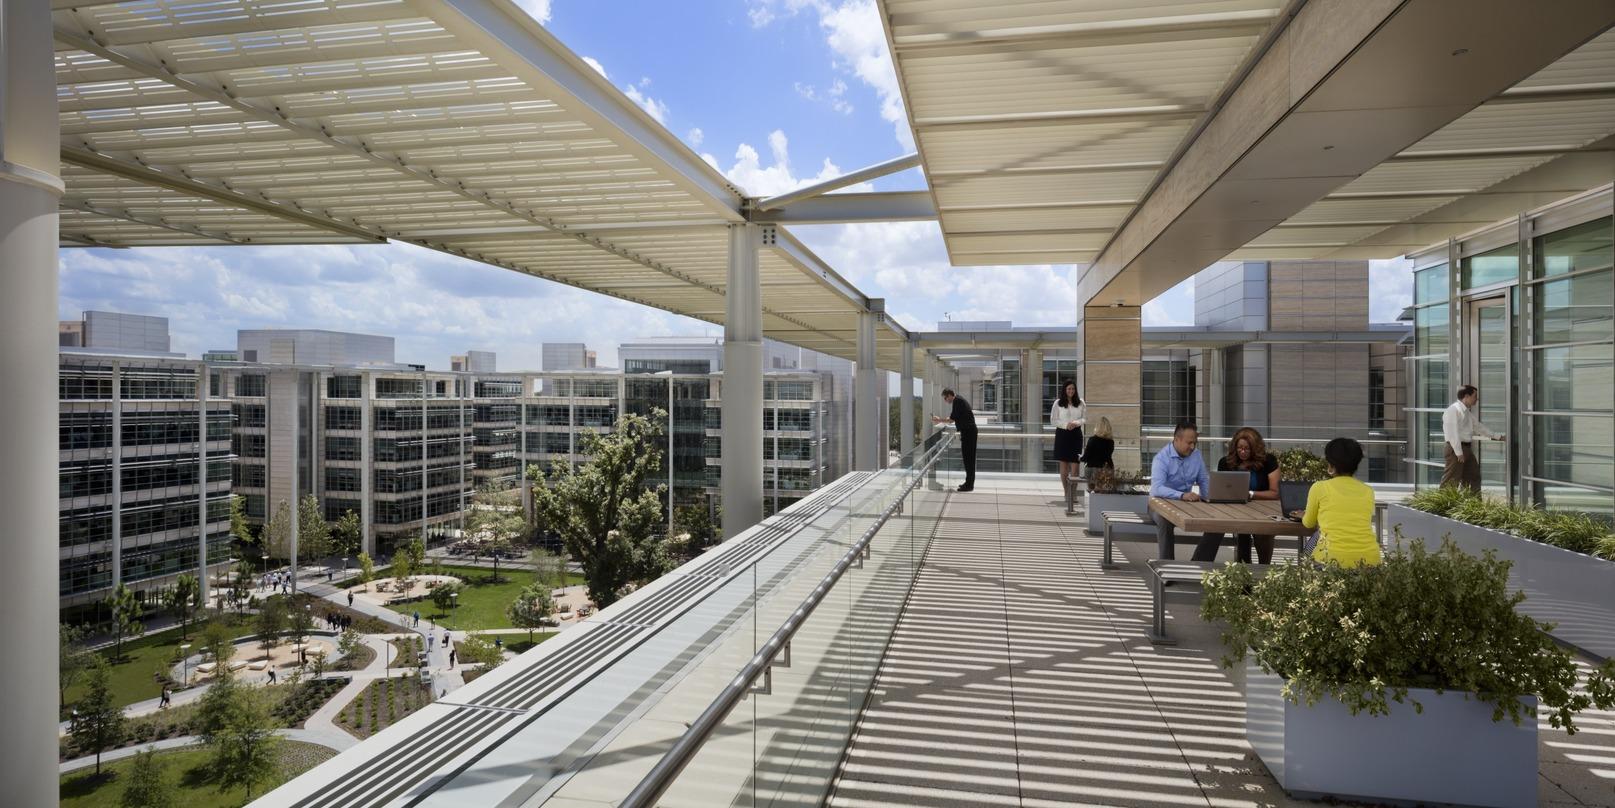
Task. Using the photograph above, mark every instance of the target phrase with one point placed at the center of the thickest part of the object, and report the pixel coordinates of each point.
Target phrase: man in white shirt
(1459, 426)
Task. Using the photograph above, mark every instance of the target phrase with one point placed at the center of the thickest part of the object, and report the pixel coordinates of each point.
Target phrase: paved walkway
(1056, 698)
(339, 741)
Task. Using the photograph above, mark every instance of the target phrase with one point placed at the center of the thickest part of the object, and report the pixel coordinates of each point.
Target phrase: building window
(251, 416)
(1376, 398)
(250, 384)
(337, 479)
(398, 388)
(343, 418)
(78, 382)
(158, 383)
(342, 447)
(1495, 266)
(344, 387)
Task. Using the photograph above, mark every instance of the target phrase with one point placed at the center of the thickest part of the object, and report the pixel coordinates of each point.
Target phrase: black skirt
(1068, 445)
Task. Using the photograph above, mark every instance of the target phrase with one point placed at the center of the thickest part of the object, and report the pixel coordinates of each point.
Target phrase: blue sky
(775, 93)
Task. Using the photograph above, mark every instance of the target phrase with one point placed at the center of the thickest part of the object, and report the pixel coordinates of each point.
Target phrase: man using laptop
(1176, 469)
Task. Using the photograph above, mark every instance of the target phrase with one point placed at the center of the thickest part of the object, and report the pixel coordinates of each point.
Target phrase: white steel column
(29, 189)
(865, 399)
(742, 400)
(117, 473)
(204, 377)
(905, 405)
(1032, 413)
(367, 465)
(929, 392)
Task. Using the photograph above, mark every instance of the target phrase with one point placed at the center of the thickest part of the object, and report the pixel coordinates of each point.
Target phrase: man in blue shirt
(1174, 470)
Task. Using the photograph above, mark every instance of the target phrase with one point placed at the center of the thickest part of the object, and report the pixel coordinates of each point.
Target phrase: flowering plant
(1440, 620)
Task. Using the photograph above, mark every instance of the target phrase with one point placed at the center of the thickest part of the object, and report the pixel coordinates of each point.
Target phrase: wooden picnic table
(1255, 517)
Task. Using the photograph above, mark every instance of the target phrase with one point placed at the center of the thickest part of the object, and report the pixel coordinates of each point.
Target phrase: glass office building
(1525, 311)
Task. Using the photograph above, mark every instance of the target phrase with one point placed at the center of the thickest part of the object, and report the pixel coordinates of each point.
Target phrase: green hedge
(1578, 532)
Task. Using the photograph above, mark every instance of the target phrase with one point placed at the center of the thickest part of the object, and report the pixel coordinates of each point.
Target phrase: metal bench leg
(1105, 563)
(1158, 613)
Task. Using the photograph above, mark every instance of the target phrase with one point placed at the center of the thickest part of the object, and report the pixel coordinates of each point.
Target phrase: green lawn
(482, 604)
(133, 677)
(522, 644)
(187, 770)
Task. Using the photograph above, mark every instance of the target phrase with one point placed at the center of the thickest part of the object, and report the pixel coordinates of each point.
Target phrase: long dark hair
(1258, 450)
(1074, 399)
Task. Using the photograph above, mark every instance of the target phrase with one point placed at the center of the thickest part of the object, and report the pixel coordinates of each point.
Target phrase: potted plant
(1300, 465)
(1118, 490)
(1413, 681)
(1554, 557)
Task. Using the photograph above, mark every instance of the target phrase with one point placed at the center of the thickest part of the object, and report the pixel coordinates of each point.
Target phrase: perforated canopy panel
(459, 125)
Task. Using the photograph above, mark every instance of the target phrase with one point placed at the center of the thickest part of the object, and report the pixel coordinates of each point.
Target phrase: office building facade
(312, 346)
(1524, 310)
(145, 475)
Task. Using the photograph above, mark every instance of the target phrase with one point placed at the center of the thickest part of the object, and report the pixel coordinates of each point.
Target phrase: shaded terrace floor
(1019, 674)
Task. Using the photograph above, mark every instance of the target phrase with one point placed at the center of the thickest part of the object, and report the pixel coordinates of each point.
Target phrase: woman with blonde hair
(1068, 417)
(1097, 454)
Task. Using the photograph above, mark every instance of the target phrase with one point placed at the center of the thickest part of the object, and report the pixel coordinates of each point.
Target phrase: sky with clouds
(775, 93)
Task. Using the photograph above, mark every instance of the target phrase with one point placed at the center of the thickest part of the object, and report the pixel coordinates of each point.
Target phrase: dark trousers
(1461, 472)
(1165, 537)
(967, 454)
(1206, 550)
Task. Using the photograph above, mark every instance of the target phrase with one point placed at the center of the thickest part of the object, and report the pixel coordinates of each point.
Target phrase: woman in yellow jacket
(1341, 508)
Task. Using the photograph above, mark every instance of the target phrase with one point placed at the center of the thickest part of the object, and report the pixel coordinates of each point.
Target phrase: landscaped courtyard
(189, 772)
(482, 602)
(134, 674)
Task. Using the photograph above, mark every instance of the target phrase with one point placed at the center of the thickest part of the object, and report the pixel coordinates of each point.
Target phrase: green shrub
(1578, 532)
(1364, 636)
(1301, 465)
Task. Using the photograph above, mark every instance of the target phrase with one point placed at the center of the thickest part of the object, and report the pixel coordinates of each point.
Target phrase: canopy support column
(1032, 413)
(742, 481)
(1109, 346)
(865, 399)
(29, 194)
(905, 404)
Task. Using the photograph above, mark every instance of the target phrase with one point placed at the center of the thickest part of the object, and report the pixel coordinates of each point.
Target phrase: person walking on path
(167, 698)
(1068, 415)
(453, 655)
(417, 619)
(271, 675)
(350, 600)
(1459, 426)
(963, 419)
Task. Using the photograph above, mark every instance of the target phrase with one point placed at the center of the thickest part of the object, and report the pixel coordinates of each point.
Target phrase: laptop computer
(1229, 486)
(1293, 497)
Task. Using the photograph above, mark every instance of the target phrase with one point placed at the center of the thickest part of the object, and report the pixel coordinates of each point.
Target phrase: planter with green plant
(1555, 557)
(1412, 681)
(1118, 490)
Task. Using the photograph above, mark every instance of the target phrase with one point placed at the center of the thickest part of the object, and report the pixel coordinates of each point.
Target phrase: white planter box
(1573, 591)
(1451, 753)
(1131, 503)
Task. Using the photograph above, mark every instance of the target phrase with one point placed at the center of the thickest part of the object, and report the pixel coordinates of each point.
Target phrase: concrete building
(565, 356)
(116, 331)
(221, 355)
(144, 476)
(474, 362)
(313, 346)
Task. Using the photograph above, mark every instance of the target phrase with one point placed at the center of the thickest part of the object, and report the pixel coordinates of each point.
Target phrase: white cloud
(695, 136)
(595, 63)
(638, 94)
(1390, 289)
(1175, 306)
(749, 173)
(857, 42)
(539, 9)
(833, 96)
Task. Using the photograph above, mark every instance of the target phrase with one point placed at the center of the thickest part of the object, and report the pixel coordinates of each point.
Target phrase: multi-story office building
(474, 362)
(312, 346)
(144, 475)
(116, 331)
(390, 444)
(566, 356)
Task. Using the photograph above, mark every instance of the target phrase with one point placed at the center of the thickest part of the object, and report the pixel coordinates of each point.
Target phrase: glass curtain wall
(1572, 427)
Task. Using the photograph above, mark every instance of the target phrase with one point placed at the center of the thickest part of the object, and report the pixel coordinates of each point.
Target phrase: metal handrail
(661, 776)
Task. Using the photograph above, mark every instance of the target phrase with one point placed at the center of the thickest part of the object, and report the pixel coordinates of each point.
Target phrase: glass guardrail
(586, 716)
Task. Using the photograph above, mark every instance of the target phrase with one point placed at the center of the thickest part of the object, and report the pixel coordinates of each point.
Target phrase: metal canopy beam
(891, 206)
(850, 178)
(1254, 20)
(538, 58)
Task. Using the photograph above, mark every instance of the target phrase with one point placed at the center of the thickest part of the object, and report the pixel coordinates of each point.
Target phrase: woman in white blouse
(1068, 416)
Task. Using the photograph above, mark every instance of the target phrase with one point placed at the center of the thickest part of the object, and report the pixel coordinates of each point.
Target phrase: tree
(235, 723)
(271, 620)
(149, 785)
(346, 534)
(73, 660)
(531, 609)
(241, 585)
(240, 528)
(301, 622)
(126, 612)
(100, 723)
(495, 521)
(697, 522)
(443, 595)
(183, 600)
(367, 570)
(218, 642)
(313, 532)
(477, 650)
(549, 568)
(603, 509)
(277, 533)
(895, 420)
(408, 560)
(349, 643)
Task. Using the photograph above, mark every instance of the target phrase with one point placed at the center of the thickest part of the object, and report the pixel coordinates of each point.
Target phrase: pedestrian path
(340, 741)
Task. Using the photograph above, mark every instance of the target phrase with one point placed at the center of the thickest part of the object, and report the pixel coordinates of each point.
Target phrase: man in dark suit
(963, 419)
